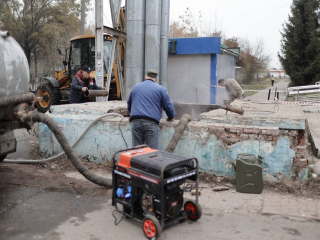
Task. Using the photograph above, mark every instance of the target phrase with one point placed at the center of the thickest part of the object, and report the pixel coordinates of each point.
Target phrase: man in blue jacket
(80, 84)
(145, 103)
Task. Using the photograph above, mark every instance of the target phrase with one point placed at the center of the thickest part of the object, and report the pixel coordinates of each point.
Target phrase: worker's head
(222, 82)
(86, 70)
(152, 74)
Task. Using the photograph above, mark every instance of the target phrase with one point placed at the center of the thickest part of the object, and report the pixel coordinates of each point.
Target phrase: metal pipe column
(134, 52)
(164, 42)
(99, 46)
(152, 37)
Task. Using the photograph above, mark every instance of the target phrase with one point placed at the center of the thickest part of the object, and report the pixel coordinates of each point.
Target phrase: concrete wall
(240, 75)
(225, 66)
(189, 78)
(215, 145)
(195, 64)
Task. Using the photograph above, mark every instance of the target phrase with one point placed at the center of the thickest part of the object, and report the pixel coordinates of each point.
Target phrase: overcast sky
(251, 19)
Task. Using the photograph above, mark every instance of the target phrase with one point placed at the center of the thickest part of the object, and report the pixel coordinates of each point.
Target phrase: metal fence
(308, 94)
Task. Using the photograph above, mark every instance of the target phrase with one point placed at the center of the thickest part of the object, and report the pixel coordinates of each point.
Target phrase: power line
(231, 19)
(235, 4)
(267, 18)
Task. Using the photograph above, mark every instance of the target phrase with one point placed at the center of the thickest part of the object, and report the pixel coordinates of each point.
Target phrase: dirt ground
(52, 176)
(48, 177)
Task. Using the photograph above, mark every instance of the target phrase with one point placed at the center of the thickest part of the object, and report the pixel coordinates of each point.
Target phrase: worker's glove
(170, 119)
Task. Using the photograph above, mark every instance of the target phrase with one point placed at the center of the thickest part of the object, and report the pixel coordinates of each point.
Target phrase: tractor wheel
(193, 209)
(48, 98)
(151, 227)
(2, 157)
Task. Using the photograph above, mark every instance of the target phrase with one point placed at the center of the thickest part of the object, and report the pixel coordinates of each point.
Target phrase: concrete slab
(90, 108)
(314, 127)
(285, 205)
(267, 114)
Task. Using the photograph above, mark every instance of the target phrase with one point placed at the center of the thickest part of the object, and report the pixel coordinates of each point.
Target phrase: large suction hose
(53, 126)
(36, 116)
(13, 100)
(178, 132)
(73, 145)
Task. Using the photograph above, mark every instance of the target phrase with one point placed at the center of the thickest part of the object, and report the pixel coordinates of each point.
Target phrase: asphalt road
(263, 96)
(39, 203)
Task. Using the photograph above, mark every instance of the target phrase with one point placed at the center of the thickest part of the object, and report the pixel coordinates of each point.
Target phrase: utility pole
(83, 16)
(99, 47)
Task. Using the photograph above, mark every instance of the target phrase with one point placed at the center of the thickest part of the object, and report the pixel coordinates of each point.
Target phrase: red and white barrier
(217, 86)
(300, 103)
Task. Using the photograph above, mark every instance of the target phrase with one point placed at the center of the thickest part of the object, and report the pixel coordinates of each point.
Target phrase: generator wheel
(151, 227)
(48, 98)
(193, 209)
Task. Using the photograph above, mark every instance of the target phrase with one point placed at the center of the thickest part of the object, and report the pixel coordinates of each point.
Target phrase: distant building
(194, 67)
(276, 73)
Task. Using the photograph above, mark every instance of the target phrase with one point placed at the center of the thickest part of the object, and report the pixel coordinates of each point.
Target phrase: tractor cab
(56, 89)
(82, 52)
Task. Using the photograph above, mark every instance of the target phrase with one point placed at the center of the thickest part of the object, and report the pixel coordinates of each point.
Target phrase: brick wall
(298, 140)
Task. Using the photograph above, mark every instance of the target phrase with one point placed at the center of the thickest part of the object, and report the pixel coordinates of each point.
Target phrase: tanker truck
(17, 108)
(14, 96)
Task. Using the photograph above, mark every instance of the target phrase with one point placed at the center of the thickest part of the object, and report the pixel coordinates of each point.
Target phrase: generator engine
(173, 197)
(147, 183)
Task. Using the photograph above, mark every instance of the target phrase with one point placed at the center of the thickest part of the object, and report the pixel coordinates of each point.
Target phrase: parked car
(317, 83)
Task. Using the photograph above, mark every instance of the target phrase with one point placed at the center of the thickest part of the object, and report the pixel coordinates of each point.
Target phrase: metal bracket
(114, 32)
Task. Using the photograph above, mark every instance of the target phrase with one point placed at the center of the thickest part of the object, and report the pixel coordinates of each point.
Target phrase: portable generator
(147, 183)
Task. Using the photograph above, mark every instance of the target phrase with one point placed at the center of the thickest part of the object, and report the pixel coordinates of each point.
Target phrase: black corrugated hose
(13, 100)
(178, 132)
(36, 116)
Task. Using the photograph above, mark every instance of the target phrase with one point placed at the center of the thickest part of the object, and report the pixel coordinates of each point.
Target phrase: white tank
(14, 67)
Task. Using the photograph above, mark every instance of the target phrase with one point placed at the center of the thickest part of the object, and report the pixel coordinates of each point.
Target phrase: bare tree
(247, 61)
(193, 25)
(253, 57)
(176, 30)
(263, 58)
(212, 28)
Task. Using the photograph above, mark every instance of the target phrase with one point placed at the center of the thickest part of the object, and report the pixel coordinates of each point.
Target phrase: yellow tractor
(56, 89)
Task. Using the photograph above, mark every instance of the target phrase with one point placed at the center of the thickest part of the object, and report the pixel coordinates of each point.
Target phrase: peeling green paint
(104, 139)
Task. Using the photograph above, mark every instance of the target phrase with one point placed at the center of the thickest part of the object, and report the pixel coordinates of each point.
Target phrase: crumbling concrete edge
(314, 149)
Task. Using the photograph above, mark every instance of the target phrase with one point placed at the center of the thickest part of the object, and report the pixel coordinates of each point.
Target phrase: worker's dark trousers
(144, 132)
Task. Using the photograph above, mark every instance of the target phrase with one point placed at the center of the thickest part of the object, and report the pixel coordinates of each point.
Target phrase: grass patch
(290, 99)
(262, 84)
